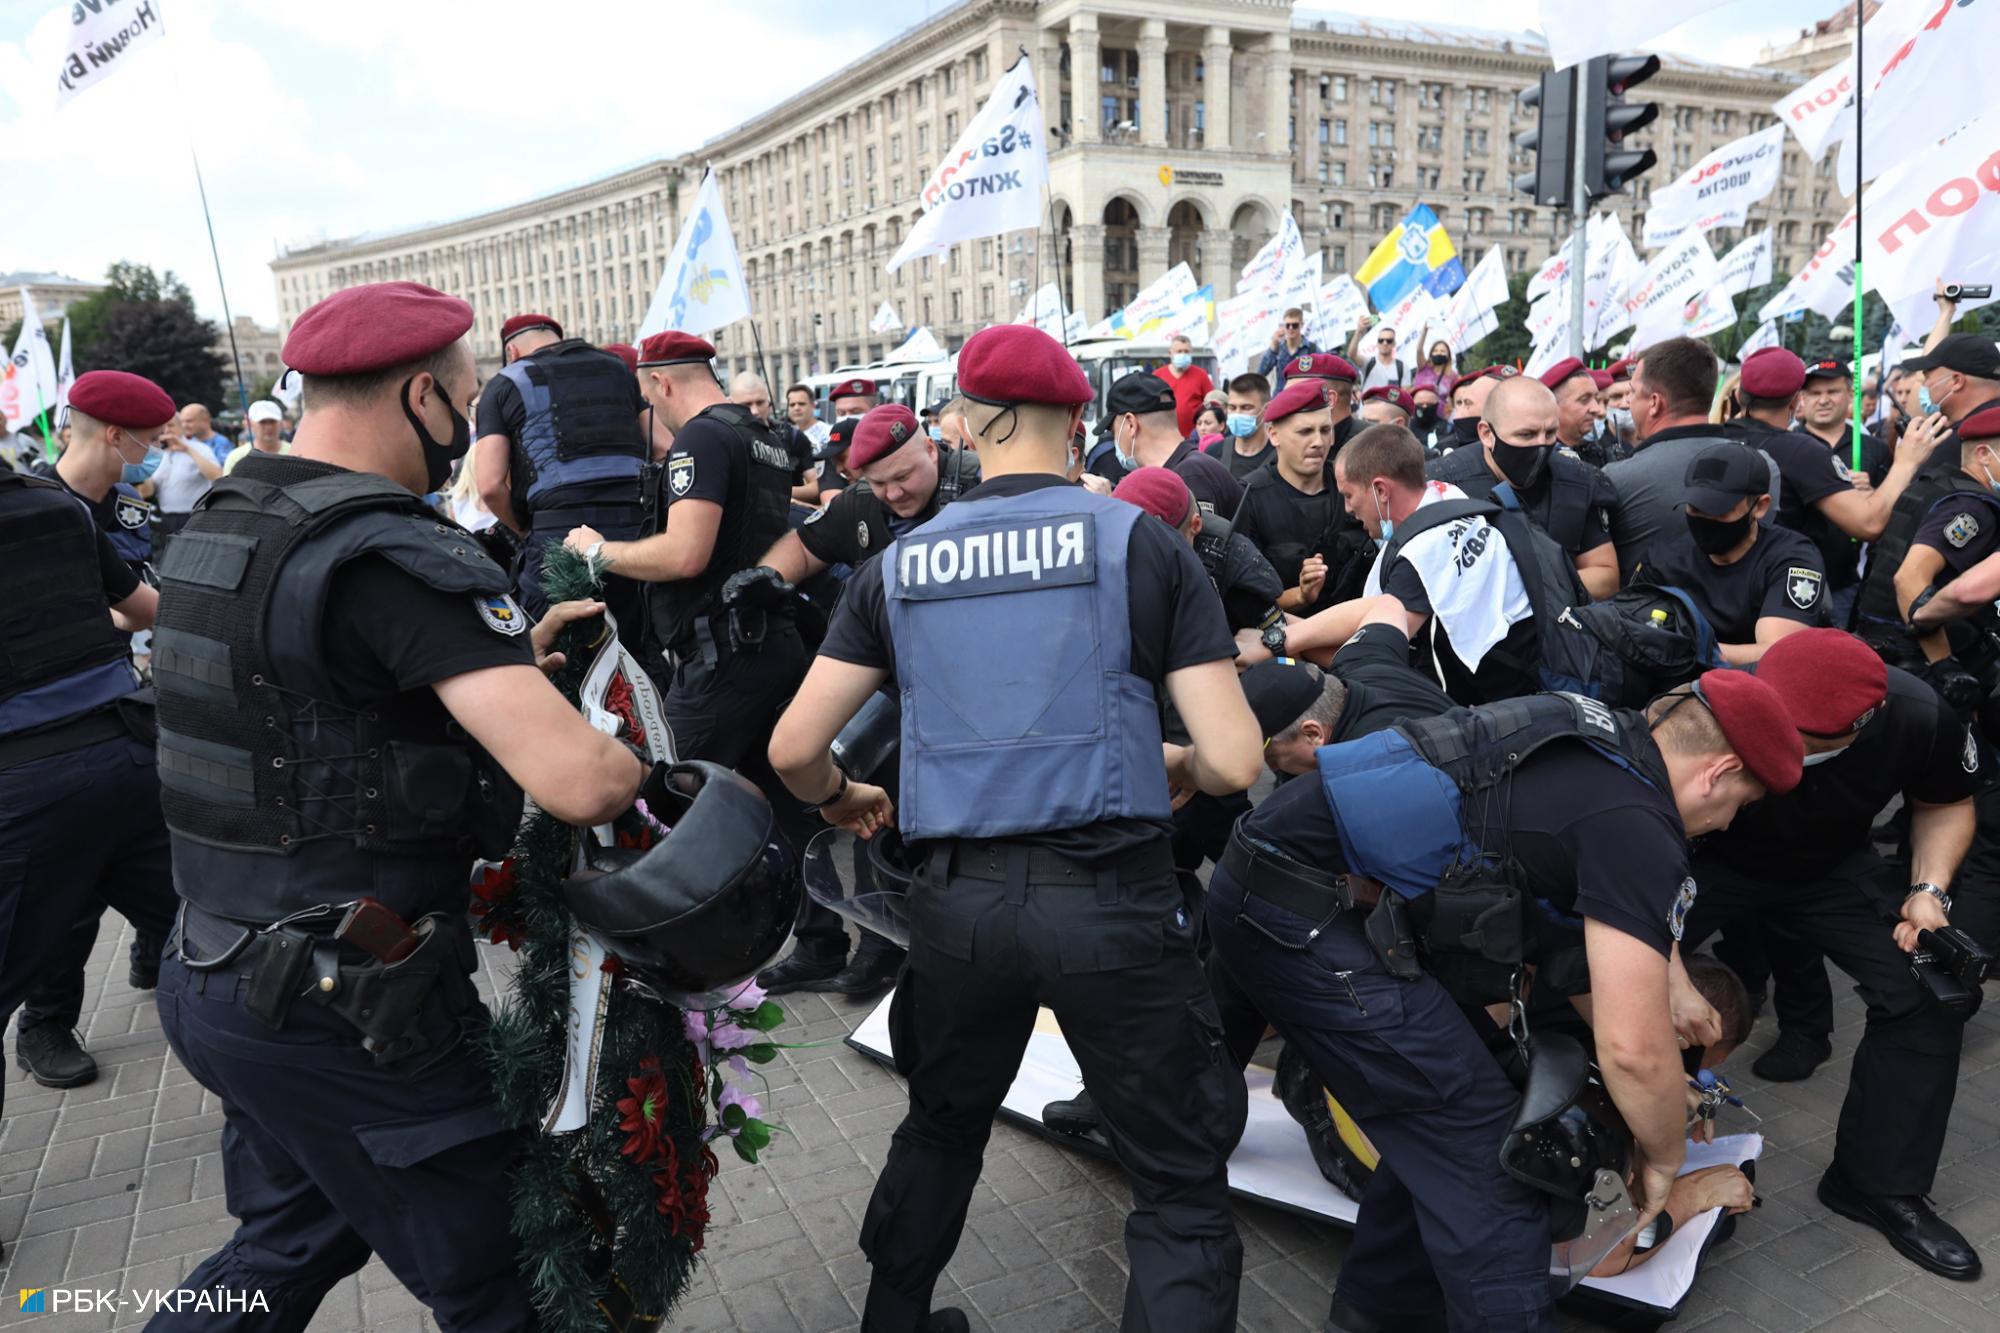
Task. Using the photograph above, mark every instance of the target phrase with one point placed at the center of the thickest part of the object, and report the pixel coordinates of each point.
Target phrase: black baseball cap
(838, 436)
(1141, 392)
(1280, 691)
(1971, 354)
(1828, 369)
(1723, 474)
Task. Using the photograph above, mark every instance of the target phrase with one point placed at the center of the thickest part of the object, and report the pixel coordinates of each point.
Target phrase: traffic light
(1552, 141)
(1608, 166)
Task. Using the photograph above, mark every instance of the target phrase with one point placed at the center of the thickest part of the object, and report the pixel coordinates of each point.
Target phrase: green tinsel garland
(607, 1238)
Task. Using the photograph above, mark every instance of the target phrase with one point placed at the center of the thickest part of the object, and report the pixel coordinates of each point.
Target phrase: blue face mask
(1924, 403)
(1388, 524)
(136, 474)
(1181, 360)
(1242, 425)
(1130, 462)
(937, 433)
(1823, 756)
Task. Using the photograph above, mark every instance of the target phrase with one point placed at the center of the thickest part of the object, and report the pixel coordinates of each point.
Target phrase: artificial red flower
(618, 700)
(644, 1113)
(494, 888)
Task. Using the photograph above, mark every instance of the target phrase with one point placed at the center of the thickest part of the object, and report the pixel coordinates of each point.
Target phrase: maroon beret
(674, 348)
(1158, 491)
(1602, 379)
(1981, 425)
(1757, 725)
(1772, 372)
(625, 352)
(1307, 395)
(880, 432)
(1018, 363)
(1320, 366)
(120, 398)
(522, 323)
(1621, 369)
(375, 327)
(852, 389)
(1828, 679)
(1499, 372)
(1566, 369)
(1390, 393)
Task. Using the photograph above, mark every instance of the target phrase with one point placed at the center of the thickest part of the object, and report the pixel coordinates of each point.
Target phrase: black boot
(800, 974)
(1793, 1056)
(1909, 1223)
(871, 973)
(1079, 1115)
(53, 1057)
(144, 970)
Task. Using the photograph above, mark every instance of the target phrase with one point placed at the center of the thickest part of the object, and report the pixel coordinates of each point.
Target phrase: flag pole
(1860, 187)
(228, 320)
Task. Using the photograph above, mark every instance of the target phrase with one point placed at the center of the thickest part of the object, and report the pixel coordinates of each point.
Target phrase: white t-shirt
(178, 483)
(1374, 374)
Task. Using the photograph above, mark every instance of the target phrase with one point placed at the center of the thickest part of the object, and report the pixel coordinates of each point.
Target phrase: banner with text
(1937, 215)
(1718, 190)
(701, 284)
(103, 34)
(992, 179)
(1674, 277)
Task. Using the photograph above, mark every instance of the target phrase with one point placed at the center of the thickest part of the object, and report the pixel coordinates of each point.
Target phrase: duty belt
(299, 959)
(1293, 885)
(1002, 862)
(102, 725)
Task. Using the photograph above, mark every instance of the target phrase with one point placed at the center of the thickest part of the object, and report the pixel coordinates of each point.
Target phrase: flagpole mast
(1860, 186)
(228, 320)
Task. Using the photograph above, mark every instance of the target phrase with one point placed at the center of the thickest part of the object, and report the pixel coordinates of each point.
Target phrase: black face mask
(1524, 465)
(1466, 429)
(1425, 420)
(1440, 358)
(438, 458)
(1714, 536)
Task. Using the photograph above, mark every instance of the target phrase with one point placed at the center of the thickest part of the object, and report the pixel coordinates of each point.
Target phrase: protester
(267, 425)
(1248, 446)
(1382, 368)
(1190, 383)
(1287, 341)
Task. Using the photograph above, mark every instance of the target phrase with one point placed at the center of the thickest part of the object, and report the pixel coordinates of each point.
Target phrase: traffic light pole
(1580, 209)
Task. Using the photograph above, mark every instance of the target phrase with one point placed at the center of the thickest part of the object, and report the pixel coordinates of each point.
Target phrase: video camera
(1952, 967)
(1967, 291)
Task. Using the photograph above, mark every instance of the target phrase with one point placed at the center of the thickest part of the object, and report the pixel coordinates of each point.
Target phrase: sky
(317, 119)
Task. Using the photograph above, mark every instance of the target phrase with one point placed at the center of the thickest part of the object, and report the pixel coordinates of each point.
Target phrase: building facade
(258, 345)
(52, 293)
(1177, 131)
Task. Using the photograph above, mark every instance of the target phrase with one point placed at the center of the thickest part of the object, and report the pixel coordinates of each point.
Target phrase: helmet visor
(860, 881)
(1610, 1216)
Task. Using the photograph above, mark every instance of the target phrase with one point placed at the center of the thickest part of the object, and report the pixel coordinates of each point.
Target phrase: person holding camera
(1805, 859)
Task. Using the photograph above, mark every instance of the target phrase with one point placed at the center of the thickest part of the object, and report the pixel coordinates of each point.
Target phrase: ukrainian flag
(1416, 251)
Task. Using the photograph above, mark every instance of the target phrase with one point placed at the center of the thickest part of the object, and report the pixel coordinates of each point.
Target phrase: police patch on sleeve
(1802, 586)
(1683, 903)
(680, 474)
(132, 512)
(1970, 760)
(815, 516)
(1962, 529)
(501, 614)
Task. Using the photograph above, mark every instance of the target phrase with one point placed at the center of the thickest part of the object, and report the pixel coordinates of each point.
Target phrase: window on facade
(1339, 132)
(1326, 87)
(895, 148)
(1374, 134)
(870, 160)
(1326, 131)
(978, 66)
(1388, 176)
(1339, 173)
(950, 79)
(1482, 99)
(951, 125)
(1325, 175)
(1340, 87)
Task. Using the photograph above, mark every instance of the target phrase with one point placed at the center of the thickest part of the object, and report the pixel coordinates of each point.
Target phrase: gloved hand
(1958, 687)
(759, 587)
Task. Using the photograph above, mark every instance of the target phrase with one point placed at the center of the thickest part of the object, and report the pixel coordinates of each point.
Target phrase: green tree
(163, 340)
(1509, 343)
(125, 282)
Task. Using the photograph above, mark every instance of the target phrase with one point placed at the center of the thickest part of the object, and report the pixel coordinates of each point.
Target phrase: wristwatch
(838, 792)
(1273, 638)
(1934, 890)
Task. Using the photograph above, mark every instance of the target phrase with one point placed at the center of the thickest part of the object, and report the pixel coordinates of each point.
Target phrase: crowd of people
(1429, 720)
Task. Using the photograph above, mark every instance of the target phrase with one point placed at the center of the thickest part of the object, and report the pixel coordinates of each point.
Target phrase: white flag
(1718, 190)
(1747, 265)
(919, 346)
(1709, 312)
(1277, 256)
(1935, 216)
(1337, 310)
(65, 376)
(886, 319)
(1821, 111)
(1159, 301)
(992, 179)
(1916, 86)
(28, 385)
(1302, 281)
(1826, 284)
(1485, 290)
(701, 287)
(1613, 272)
(1243, 328)
(1674, 278)
(1765, 336)
(1576, 30)
(102, 36)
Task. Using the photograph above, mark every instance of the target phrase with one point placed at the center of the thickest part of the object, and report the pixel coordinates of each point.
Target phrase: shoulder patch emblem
(1970, 760)
(1802, 586)
(680, 474)
(1683, 904)
(861, 534)
(814, 517)
(132, 512)
(1962, 529)
(501, 614)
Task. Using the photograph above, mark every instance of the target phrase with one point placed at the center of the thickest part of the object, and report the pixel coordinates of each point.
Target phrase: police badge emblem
(1802, 586)
(861, 534)
(680, 475)
(501, 614)
(1969, 761)
(1683, 904)
(1962, 529)
(132, 512)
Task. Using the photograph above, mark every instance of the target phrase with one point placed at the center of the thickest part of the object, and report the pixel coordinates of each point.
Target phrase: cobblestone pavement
(119, 1185)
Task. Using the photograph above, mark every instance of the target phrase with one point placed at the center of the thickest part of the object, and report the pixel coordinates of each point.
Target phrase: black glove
(1917, 604)
(1958, 687)
(759, 587)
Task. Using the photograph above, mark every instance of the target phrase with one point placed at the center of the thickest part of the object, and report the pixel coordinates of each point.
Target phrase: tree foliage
(145, 322)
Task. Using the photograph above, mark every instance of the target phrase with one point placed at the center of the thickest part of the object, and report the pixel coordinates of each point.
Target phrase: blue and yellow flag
(1415, 251)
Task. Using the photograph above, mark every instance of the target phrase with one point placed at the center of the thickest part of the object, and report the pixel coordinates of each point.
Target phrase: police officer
(93, 471)
(1958, 376)
(560, 446)
(1291, 511)
(1387, 405)
(1336, 375)
(1756, 583)
(1039, 816)
(1240, 574)
(1139, 421)
(1805, 859)
(1579, 409)
(1561, 802)
(1617, 395)
(79, 801)
(348, 697)
(1564, 496)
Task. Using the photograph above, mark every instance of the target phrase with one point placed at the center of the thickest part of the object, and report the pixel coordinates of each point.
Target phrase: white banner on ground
(886, 320)
(102, 36)
(1765, 336)
(1914, 86)
(1576, 30)
(1821, 110)
(1674, 277)
(993, 178)
(1718, 190)
(701, 283)
(1939, 215)
(1825, 284)
(28, 382)
(1747, 265)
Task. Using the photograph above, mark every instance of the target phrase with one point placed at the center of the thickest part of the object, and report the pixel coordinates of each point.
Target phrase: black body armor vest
(56, 635)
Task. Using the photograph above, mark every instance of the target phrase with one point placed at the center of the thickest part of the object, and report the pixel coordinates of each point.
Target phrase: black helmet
(865, 881)
(707, 906)
(868, 747)
(1569, 1139)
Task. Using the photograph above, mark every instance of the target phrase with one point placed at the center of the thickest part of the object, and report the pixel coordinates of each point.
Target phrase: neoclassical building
(1176, 131)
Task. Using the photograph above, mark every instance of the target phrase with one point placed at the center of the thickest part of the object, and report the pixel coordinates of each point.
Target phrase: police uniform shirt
(121, 509)
(501, 412)
(1808, 472)
(1915, 745)
(1288, 525)
(1212, 484)
(1961, 528)
(1781, 575)
(1241, 466)
(1382, 687)
(855, 525)
(703, 465)
(1584, 529)
(1176, 622)
(1591, 838)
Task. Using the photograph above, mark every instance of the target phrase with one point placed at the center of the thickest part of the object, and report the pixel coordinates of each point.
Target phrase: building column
(1153, 242)
(1215, 55)
(1087, 251)
(1153, 82)
(1083, 82)
(1278, 95)
(1048, 82)
(1218, 263)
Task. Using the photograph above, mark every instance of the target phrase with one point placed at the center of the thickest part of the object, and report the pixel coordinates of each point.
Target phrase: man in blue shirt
(198, 427)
